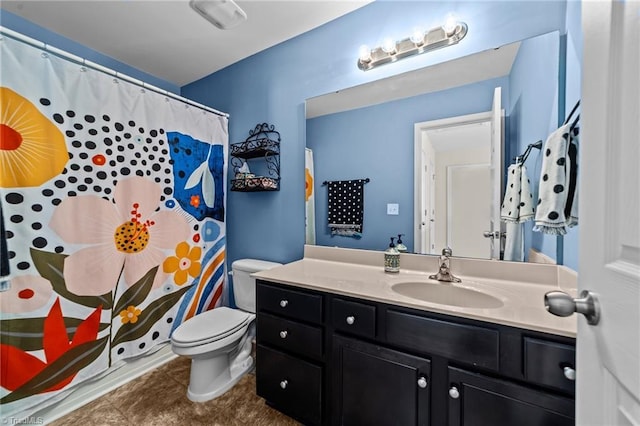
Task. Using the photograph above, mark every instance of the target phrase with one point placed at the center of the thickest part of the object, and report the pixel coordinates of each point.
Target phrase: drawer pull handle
(283, 334)
(284, 303)
(283, 384)
(569, 373)
(351, 319)
(422, 382)
(454, 393)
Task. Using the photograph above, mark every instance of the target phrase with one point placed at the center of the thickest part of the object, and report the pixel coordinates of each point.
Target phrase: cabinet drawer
(293, 386)
(354, 317)
(289, 335)
(475, 345)
(545, 362)
(292, 303)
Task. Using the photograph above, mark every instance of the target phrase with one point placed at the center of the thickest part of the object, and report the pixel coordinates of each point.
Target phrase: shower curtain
(113, 203)
(310, 205)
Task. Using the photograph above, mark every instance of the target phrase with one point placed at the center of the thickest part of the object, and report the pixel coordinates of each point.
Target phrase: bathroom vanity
(340, 342)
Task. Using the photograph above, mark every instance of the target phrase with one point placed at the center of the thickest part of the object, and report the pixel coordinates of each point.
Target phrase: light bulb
(417, 36)
(365, 54)
(450, 23)
(389, 46)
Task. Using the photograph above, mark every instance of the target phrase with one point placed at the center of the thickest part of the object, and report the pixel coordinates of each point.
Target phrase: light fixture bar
(435, 38)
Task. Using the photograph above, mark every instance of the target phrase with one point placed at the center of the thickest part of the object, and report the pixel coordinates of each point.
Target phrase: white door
(608, 354)
(496, 170)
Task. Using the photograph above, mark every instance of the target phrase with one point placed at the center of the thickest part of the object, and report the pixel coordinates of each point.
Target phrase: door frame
(419, 130)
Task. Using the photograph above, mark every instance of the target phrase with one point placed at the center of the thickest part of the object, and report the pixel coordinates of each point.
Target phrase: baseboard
(89, 391)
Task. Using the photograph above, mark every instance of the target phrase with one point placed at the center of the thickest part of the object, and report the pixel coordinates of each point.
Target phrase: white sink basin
(447, 294)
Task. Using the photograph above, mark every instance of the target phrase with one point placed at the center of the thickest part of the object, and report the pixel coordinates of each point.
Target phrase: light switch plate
(393, 209)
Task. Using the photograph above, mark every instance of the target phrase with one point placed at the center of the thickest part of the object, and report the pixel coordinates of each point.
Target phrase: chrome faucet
(444, 272)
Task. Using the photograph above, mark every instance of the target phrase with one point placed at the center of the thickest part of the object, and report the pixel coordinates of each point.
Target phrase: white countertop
(356, 274)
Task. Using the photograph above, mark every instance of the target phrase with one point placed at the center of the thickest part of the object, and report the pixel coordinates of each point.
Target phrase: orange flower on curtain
(186, 262)
(308, 183)
(20, 367)
(32, 148)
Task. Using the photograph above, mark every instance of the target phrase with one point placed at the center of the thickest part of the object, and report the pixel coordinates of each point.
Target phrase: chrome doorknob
(561, 304)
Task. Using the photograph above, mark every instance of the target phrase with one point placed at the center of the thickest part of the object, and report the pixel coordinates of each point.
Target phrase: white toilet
(219, 341)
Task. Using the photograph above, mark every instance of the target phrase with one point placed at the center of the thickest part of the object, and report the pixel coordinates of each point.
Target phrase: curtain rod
(82, 61)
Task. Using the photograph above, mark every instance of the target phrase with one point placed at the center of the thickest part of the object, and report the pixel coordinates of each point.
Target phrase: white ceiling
(168, 39)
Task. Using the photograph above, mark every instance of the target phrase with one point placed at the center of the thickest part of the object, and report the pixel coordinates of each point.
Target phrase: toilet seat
(210, 326)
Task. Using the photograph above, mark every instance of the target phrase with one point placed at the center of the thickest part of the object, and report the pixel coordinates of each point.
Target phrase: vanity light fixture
(419, 42)
(224, 14)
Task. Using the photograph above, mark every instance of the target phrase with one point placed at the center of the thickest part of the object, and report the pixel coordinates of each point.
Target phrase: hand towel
(557, 195)
(514, 242)
(346, 207)
(517, 206)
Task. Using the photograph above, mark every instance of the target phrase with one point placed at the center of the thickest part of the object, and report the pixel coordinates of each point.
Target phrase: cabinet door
(373, 385)
(477, 400)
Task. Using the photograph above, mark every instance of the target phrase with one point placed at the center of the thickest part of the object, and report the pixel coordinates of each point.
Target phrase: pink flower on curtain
(129, 236)
(27, 293)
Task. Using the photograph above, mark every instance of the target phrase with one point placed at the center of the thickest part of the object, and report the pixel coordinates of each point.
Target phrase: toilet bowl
(219, 341)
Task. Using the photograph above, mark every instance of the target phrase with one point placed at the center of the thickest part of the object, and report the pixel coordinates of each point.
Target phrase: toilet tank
(244, 287)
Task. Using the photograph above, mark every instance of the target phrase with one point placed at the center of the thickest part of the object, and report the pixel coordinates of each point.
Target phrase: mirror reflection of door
(459, 191)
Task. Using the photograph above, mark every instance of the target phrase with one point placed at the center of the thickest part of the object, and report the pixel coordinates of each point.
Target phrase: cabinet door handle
(351, 319)
(284, 303)
(283, 334)
(422, 382)
(454, 393)
(283, 384)
(569, 373)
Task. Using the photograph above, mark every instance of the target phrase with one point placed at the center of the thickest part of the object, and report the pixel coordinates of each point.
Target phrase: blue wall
(378, 142)
(533, 115)
(18, 24)
(272, 85)
(573, 81)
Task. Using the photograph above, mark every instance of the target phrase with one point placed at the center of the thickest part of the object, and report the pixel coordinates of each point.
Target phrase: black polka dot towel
(557, 191)
(346, 207)
(517, 206)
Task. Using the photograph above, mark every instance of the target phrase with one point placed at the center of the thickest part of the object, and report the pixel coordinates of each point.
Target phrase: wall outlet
(393, 209)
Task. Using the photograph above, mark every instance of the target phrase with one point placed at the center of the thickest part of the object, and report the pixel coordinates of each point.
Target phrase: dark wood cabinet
(336, 360)
(476, 400)
(373, 385)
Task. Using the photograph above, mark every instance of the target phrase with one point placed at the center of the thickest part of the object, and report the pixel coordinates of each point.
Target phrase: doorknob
(561, 304)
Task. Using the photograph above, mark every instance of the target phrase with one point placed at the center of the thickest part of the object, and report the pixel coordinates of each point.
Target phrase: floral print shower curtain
(113, 201)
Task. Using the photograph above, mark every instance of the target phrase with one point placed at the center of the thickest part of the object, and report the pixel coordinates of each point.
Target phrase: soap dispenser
(400, 246)
(392, 258)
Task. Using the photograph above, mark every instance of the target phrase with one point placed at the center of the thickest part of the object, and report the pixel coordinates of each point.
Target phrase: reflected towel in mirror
(517, 206)
(346, 207)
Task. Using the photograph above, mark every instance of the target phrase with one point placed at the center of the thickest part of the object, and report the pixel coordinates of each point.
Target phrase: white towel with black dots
(557, 192)
(346, 207)
(517, 206)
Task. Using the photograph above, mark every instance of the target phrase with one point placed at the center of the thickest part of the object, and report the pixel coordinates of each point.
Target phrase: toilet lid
(211, 325)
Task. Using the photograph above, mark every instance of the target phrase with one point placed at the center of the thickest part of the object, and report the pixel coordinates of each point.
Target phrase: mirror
(376, 131)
